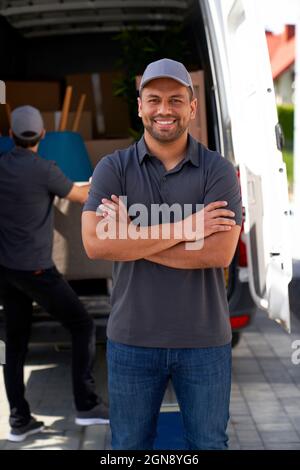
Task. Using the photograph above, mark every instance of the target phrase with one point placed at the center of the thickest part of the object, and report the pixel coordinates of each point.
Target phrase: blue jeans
(137, 380)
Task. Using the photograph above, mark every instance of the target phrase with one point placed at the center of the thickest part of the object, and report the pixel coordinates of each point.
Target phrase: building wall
(284, 86)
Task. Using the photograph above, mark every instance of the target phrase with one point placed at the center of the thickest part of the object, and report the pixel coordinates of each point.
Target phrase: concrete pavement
(265, 399)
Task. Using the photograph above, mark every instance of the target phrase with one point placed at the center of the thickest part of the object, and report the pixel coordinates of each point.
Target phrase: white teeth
(165, 122)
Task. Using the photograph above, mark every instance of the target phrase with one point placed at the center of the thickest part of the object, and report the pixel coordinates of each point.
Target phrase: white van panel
(246, 94)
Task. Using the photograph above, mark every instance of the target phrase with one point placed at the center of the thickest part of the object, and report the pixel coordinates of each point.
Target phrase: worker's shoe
(97, 415)
(20, 433)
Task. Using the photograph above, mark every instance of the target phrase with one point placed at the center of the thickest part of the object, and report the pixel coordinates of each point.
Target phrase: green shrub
(286, 119)
(289, 161)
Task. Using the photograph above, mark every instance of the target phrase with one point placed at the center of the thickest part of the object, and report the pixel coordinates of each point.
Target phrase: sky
(279, 12)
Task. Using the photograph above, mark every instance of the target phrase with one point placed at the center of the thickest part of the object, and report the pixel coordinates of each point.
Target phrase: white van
(228, 40)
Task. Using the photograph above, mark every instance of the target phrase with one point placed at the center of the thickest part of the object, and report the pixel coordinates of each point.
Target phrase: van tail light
(242, 250)
(239, 321)
(242, 258)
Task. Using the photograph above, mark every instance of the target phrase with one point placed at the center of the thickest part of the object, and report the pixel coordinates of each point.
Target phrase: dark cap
(166, 68)
(26, 119)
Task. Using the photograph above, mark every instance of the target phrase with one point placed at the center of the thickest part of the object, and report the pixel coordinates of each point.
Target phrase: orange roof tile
(283, 58)
(281, 50)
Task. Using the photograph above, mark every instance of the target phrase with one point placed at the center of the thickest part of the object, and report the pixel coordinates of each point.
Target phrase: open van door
(248, 122)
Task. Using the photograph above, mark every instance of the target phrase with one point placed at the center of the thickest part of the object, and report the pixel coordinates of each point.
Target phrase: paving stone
(246, 364)
(280, 437)
(245, 378)
(239, 409)
(295, 420)
(252, 446)
(248, 435)
(234, 445)
(274, 427)
(260, 398)
(95, 437)
(260, 417)
(242, 420)
(286, 390)
(265, 408)
(283, 446)
(251, 427)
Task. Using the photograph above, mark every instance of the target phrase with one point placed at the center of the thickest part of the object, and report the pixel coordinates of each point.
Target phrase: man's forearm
(180, 258)
(152, 240)
(213, 254)
(78, 193)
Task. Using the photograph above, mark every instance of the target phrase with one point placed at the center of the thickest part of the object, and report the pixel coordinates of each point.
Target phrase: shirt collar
(192, 153)
(20, 151)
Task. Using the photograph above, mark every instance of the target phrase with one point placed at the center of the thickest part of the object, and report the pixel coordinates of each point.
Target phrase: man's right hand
(213, 218)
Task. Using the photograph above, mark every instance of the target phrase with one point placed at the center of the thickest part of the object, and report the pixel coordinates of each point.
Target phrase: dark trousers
(18, 289)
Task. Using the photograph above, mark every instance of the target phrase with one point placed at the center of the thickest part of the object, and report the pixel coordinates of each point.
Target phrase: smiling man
(169, 316)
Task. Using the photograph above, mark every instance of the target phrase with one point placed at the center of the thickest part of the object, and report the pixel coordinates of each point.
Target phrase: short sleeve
(222, 184)
(58, 183)
(106, 180)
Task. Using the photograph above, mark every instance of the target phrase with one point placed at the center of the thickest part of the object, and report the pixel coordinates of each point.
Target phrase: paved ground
(265, 403)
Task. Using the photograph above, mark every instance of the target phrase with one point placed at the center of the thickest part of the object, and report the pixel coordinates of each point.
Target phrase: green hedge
(286, 119)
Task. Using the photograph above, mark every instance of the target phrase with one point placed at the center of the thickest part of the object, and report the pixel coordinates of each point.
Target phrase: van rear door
(248, 126)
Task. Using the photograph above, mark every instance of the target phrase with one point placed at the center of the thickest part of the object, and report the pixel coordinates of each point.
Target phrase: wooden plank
(65, 110)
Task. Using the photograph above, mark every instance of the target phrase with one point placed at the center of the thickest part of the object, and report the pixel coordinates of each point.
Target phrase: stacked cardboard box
(44, 95)
(101, 147)
(198, 126)
(110, 115)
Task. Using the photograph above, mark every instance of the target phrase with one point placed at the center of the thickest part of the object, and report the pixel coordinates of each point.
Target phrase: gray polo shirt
(154, 305)
(28, 184)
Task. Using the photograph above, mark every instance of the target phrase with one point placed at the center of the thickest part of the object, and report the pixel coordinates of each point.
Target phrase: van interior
(99, 49)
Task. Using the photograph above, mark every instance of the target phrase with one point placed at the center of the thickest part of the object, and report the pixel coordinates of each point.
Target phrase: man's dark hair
(191, 94)
(26, 143)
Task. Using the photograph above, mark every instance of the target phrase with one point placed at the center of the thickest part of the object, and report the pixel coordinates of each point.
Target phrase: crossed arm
(217, 250)
(97, 246)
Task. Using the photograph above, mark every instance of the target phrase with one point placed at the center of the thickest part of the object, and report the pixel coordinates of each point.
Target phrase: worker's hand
(212, 219)
(115, 209)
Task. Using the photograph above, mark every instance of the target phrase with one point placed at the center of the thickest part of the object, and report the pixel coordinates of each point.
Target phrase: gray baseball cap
(166, 68)
(26, 119)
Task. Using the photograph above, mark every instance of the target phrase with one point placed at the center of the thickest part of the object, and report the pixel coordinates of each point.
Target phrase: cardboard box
(51, 122)
(81, 83)
(198, 127)
(99, 148)
(115, 108)
(110, 115)
(46, 96)
(68, 253)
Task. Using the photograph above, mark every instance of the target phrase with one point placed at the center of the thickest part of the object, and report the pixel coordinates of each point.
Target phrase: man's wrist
(177, 231)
